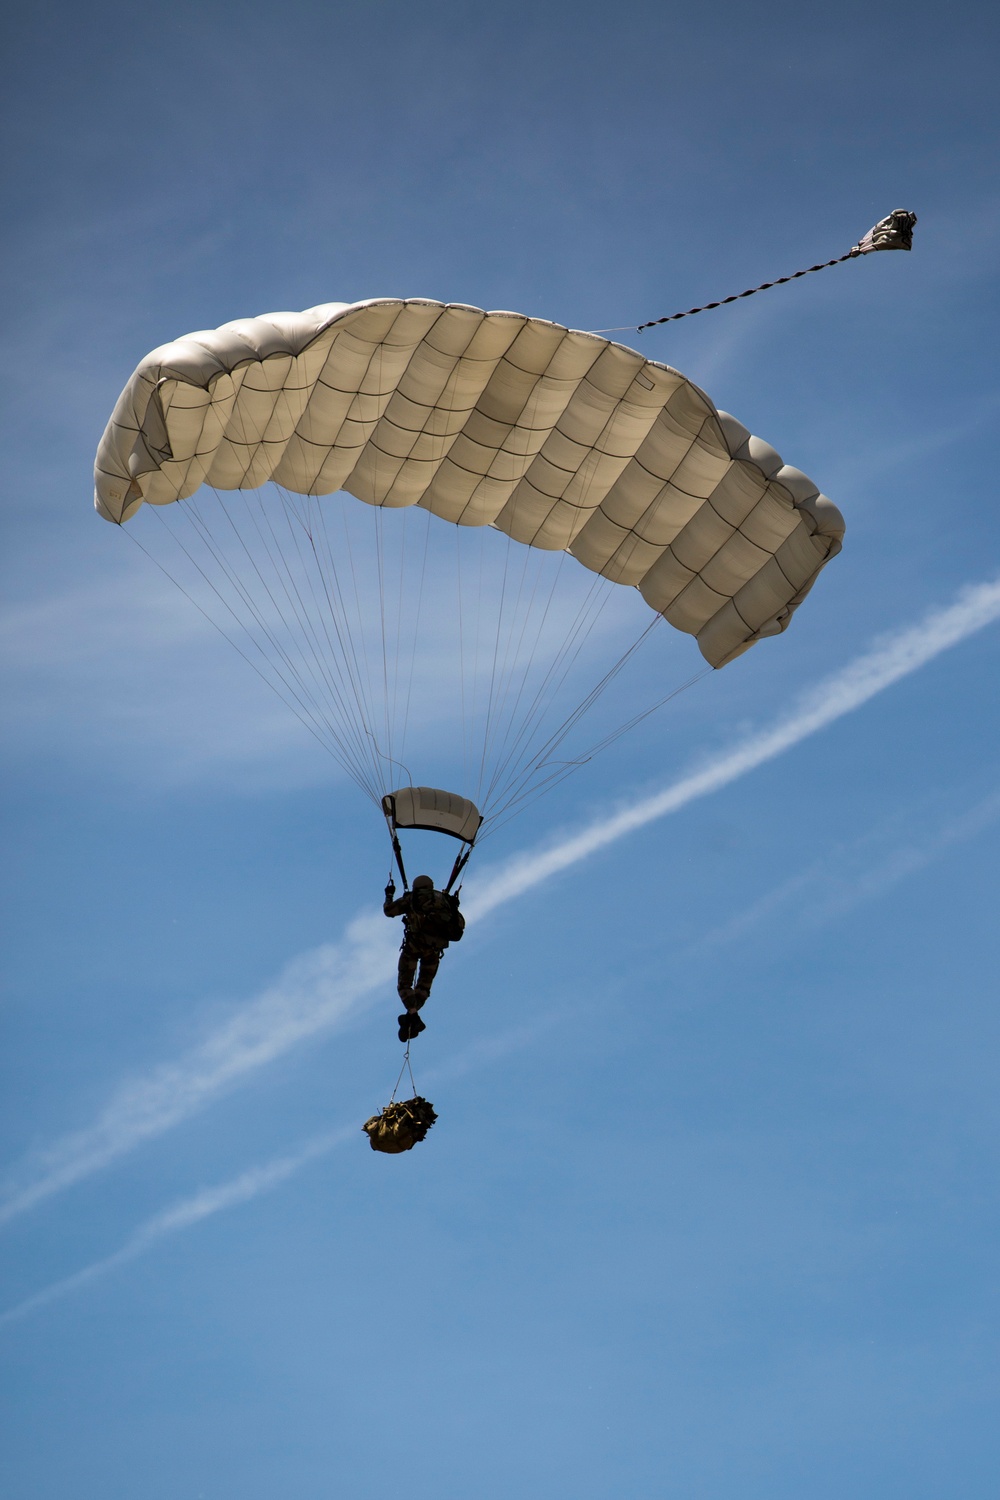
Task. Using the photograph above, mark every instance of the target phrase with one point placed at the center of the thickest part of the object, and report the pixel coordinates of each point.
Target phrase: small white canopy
(434, 810)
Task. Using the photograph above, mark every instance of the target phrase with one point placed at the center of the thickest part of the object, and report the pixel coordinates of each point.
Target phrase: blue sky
(710, 1209)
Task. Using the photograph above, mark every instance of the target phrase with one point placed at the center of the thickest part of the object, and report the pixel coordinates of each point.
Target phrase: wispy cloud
(849, 876)
(856, 470)
(903, 862)
(257, 1180)
(321, 989)
(118, 639)
(185, 1214)
(889, 660)
(316, 992)
(151, 638)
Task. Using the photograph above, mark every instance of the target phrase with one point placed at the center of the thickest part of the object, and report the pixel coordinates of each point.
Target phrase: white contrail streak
(889, 660)
(183, 1215)
(316, 992)
(260, 1179)
(321, 989)
(826, 891)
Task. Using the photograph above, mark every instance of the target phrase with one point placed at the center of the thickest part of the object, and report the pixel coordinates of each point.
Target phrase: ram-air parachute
(532, 437)
(517, 476)
(520, 483)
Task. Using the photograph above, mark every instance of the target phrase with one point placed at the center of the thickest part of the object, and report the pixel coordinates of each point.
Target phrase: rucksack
(400, 1126)
(455, 926)
(437, 921)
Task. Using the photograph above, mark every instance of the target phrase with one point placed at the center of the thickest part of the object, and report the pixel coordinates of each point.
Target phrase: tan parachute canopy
(561, 439)
(434, 810)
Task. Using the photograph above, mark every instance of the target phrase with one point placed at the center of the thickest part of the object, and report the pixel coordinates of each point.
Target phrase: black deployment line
(765, 286)
(894, 232)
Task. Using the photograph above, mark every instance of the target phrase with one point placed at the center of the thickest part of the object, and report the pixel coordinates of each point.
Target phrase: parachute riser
(434, 811)
(398, 852)
(461, 861)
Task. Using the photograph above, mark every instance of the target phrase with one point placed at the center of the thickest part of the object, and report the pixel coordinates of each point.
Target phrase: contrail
(322, 989)
(260, 1179)
(186, 1213)
(888, 661)
(819, 894)
(315, 993)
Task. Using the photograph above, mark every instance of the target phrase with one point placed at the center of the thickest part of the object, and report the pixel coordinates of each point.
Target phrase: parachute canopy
(560, 439)
(436, 811)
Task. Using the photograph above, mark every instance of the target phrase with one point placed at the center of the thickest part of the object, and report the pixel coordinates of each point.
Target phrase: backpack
(438, 923)
(455, 922)
(400, 1126)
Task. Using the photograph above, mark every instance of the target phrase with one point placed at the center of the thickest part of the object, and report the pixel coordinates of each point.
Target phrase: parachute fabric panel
(435, 811)
(561, 439)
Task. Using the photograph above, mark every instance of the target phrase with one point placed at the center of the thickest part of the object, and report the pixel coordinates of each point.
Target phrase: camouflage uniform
(428, 918)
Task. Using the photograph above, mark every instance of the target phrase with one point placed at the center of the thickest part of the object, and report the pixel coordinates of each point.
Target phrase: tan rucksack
(400, 1126)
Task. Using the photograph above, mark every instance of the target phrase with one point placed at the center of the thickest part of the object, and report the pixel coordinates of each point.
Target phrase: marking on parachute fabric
(644, 381)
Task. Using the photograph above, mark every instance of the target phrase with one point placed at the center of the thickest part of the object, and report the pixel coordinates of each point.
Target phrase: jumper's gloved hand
(390, 891)
(410, 1026)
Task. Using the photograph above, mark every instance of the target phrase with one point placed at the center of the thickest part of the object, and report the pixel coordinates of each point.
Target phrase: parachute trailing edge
(562, 440)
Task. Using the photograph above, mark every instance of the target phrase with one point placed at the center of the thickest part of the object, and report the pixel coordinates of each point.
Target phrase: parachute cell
(560, 439)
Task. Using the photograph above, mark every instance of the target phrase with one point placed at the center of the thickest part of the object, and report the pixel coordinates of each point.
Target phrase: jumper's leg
(428, 968)
(407, 969)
